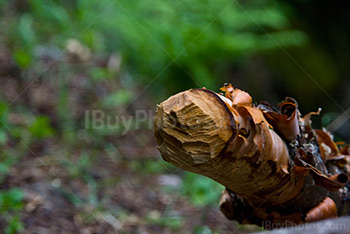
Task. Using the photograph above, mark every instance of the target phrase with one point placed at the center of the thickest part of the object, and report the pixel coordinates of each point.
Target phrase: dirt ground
(78, 180)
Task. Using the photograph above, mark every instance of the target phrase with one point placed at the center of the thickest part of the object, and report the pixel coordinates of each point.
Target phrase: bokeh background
(62, 59)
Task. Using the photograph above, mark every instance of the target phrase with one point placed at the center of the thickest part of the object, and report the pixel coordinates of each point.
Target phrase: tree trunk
(269, 160)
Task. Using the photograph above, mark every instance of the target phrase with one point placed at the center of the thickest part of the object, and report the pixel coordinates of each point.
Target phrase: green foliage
(14, 225)
(22, 58)
(25, 30)
(3, 123)
(75, 200)
(81, 169)
(118, 98)
(98, 74)
(204, 37)
(204, 230)
(150, 166)
(11, 200)
(10, 204)
(41, 128)
(3, 114)
(171, 222)
(6, 161)
(201, 190)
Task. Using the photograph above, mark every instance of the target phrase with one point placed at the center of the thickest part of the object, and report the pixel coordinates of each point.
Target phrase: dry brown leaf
(328, 148)
(326, 209)
(285, 121)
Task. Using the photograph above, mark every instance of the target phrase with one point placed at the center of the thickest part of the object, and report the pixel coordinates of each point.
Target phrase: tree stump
(275, 167)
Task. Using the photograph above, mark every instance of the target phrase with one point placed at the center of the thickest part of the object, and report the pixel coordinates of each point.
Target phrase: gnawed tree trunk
(274, 166)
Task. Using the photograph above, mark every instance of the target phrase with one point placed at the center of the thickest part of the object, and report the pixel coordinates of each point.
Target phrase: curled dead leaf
(237, 96)
(306, 120)
(328, 148)
(285, 121)
(326, 209)
(332, 183)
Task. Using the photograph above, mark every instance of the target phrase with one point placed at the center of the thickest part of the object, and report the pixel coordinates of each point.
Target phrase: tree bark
(269, 160)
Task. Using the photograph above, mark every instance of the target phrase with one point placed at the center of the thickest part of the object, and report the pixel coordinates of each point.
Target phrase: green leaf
(201, 190)
(11, 200)
(26, 31)
(14, 225)
(118, 98)
(41, 127)
(3, 137)
(203, 230)
(22, 58)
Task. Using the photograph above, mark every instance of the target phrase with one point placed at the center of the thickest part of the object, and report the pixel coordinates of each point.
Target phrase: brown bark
(268, 160)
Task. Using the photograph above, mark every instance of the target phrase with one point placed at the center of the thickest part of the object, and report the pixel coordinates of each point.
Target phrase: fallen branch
(274, 166)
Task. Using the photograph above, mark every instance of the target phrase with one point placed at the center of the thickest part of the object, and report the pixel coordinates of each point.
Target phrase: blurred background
(65, 62)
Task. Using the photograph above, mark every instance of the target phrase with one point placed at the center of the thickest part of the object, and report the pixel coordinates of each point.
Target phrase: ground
(74, 178)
